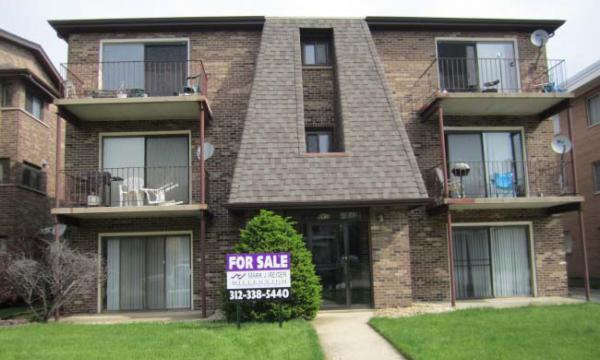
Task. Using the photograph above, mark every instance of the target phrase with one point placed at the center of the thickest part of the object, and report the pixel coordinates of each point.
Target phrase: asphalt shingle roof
(272, 166)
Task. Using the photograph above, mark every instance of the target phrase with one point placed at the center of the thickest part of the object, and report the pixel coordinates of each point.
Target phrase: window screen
(593, 107)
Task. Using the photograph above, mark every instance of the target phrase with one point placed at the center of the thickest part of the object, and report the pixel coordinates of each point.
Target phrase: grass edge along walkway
(191, 340)
(532, 332)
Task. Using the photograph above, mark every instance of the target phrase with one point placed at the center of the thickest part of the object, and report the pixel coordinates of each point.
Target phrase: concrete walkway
(345, 335)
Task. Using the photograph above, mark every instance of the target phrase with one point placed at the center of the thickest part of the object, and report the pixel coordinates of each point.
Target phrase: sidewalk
(346, 335)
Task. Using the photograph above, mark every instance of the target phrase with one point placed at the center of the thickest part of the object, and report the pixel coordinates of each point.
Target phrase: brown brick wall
(319, 97)
(229, 59)
(406, 56)
(390, 251)
(587, 152)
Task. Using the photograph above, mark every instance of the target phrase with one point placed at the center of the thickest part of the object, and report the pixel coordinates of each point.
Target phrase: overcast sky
(578, 41)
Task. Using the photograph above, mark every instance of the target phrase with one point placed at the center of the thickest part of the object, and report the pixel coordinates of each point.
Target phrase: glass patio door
(497, 62)
(495, 160)
(147, 273)
(491, 262)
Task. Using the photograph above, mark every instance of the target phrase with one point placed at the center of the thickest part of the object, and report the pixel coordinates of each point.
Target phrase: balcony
(493, 87)
(133, 90)
(475, 185)
(127, 192)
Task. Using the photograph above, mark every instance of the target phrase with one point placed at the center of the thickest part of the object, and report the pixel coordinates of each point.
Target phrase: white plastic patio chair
(158, 196)
(131, 187)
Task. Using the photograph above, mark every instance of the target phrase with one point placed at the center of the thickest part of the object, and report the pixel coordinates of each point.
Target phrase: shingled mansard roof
(272, 167)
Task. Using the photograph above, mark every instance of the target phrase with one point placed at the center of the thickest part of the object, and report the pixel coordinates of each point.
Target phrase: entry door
(341, 259)
(497, 61)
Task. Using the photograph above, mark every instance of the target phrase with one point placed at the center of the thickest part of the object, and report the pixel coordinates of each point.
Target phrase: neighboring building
(334, 122)
(29, 83)
(585, 120)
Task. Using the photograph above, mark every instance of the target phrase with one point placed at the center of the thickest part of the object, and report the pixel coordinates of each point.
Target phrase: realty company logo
(238, 276)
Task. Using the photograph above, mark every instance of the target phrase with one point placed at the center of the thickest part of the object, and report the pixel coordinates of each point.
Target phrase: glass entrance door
(341, 258)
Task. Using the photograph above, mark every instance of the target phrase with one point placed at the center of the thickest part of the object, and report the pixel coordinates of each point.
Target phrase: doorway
(342, 262)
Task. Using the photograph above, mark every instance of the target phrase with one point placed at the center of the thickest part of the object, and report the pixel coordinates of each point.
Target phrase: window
(568, 242)
(34, 105)
(4, 170)
(315, 52)
(31, 176)
(593, 110)
(5, 94)
(319, 141)
(597, 176)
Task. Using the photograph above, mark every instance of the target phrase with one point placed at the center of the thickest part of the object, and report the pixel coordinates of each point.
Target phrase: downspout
(586, 272)
(203, 215)
(57, 182)
(448, 214)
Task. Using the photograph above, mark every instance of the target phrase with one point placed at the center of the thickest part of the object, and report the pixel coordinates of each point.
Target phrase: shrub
(268, 232)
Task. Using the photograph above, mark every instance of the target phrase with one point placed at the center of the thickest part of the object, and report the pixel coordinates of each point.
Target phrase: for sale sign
(264, 276)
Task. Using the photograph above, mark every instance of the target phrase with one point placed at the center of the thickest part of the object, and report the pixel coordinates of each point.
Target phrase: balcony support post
(586, 272)
(57, 178)
(203, 215)
(448, 214)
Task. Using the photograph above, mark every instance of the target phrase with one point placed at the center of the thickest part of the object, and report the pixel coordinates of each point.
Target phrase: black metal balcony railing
(122, 79)
(492, 75)
(501, 179)
(132, 186)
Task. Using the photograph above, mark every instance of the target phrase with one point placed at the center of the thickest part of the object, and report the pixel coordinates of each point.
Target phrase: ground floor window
(492, 261)
(147, 272)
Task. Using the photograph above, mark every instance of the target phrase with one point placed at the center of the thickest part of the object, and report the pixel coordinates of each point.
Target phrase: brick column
(390, 257)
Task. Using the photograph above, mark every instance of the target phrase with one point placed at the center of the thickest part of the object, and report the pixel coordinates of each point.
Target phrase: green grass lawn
(535, 332)
(183, 340)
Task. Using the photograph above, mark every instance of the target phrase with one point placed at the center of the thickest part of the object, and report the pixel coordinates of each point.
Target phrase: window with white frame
(319, 141)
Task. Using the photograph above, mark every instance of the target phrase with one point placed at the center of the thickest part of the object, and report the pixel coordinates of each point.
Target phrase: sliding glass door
(147, 273)
(158, 163)
(155, 69)
(486, 66)
(491, 262)
(495, 161)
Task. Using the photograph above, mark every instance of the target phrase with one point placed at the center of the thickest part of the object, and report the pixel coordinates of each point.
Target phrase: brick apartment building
(584, 115)
(29, 83)
(412, 152)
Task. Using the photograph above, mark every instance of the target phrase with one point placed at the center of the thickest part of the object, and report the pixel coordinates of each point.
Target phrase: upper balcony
(134, 90)
(504, 184)
(492, 86)
(149, 191)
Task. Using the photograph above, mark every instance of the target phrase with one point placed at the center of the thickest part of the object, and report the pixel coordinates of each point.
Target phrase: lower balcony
(475, 185)
(127, 192)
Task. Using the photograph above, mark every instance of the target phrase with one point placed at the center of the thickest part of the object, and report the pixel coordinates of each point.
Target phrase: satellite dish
(209, 150)
(561, 144)
(540, 37)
